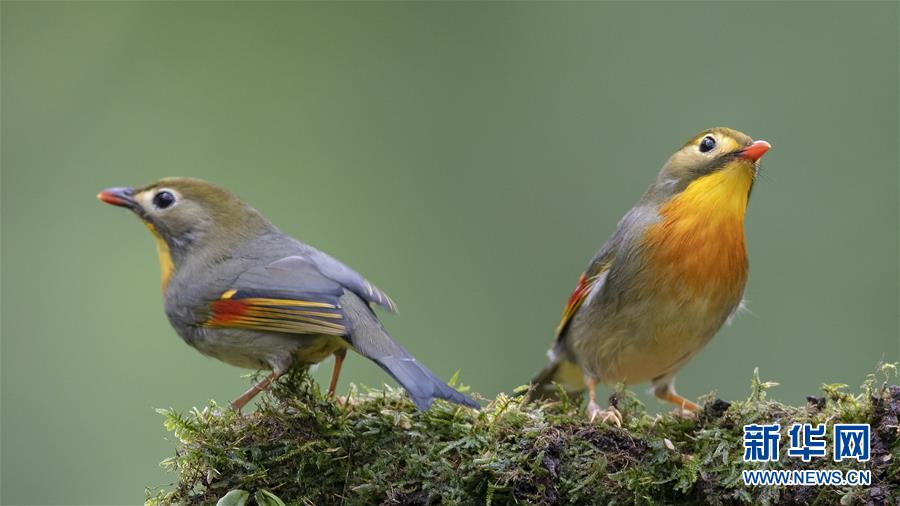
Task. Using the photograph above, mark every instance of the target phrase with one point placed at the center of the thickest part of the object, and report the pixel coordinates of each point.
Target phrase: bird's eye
(707, 144)
(163, 199)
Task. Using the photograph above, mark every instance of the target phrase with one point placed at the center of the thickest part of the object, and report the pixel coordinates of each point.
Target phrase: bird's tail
(560, 371)
(371, 340)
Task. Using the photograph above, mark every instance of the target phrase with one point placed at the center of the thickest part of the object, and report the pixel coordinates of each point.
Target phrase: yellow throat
(699, 241)
(165, 257)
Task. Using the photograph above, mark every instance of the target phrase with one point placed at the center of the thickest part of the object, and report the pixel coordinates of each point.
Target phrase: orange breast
(698, 244)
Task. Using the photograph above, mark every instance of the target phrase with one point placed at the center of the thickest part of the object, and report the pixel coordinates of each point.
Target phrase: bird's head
(189, 216)
(721, 151)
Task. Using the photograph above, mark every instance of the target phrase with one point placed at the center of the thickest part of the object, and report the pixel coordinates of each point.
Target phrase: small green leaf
(266, 498)
(521, 389)
(234, 498)
(758, 388)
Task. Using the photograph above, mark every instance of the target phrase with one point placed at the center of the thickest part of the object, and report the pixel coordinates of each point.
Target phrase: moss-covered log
(375, 448)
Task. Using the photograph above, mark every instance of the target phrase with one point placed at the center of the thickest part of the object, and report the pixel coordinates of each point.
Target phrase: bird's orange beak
(122, 197)
(755, 151)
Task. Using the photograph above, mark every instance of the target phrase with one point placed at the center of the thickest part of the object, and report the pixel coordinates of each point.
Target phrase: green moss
(375, 448)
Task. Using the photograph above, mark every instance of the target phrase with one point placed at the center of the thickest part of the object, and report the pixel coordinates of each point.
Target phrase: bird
(664, 283)
(239, 290)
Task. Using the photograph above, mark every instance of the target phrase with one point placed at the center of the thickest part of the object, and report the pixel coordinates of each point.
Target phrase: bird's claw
(684, 412)
(609, 415)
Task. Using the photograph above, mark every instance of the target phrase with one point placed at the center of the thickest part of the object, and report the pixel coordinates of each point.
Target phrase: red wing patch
(584, 287)
(277, 315)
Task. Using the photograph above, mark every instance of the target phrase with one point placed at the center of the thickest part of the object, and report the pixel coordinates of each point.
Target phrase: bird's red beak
(755, 151)
(122, 197)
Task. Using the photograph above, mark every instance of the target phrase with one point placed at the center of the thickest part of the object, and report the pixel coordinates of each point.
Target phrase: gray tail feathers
(369, 338)
(559, 371)
(421, 384)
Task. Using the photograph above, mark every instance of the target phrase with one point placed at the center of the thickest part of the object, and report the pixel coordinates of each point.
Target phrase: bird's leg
(336, 371)
(666, 392)
(247, 396)
(593, 410)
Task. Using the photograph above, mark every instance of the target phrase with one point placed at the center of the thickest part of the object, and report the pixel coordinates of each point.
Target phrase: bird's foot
(685, 412)
(599, 415)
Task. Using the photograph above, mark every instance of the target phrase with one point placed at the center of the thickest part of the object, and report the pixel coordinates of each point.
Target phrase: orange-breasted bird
(239, 290)
(667, 279)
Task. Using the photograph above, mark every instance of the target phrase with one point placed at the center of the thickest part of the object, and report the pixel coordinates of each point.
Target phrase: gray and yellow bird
(239, 290)
(666, 280)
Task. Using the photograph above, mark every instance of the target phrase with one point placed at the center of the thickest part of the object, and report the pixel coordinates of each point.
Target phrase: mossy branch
(374, 447)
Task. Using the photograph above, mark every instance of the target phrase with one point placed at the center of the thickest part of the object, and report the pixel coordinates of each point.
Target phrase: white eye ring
(707, 144)
(163, 199)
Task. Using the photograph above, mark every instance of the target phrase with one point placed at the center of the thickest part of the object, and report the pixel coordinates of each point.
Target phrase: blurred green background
(469, 158)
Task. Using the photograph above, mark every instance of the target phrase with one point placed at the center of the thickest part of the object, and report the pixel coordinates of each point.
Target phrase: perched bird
(239, 290)
(666, 280)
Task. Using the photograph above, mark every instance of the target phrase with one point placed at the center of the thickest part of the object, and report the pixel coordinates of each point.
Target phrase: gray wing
(298, 294)
(615, 262)
(334, 269)
(289, 295)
